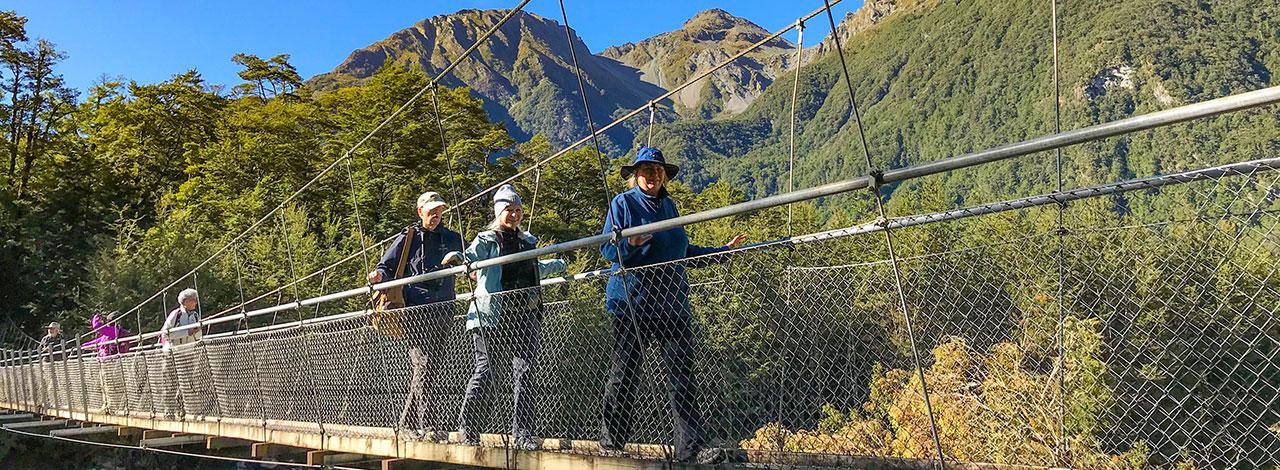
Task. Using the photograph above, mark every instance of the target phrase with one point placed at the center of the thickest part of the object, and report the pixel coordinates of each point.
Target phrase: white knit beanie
(505, 196)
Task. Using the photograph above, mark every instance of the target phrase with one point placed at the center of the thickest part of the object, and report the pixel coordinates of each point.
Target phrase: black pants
(674, 337)
(427, 331)
(516, 336)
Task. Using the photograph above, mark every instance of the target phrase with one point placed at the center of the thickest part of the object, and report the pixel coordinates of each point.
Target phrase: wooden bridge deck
(317, 441)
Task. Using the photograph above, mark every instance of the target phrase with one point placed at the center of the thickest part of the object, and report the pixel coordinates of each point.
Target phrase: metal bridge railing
(795, 353)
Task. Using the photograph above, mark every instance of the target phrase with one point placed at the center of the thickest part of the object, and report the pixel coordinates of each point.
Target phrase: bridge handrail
(1237, 102)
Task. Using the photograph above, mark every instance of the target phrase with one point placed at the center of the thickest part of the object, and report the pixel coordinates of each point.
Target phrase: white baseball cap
(431, 200)
(54, 325)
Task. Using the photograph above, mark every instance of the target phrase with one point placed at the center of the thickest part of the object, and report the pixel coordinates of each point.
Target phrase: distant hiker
(505, 318)
(420, 249)
(186, 320)
(106, 340)
(183, 316)
(50, 350)
(651, 306)
(109, 345)
(51, 344)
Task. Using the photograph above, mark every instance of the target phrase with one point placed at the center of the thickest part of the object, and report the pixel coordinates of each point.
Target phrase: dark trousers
(674, 337)
(427, 332)
(516, 336)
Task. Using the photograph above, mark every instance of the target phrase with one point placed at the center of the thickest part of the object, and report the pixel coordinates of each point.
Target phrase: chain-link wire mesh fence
(797, 352)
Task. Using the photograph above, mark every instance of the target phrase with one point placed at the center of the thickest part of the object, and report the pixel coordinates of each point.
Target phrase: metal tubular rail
(1238, 102)
(1184, 113)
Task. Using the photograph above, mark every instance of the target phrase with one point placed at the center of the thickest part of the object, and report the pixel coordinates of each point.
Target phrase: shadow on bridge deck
(327, 445)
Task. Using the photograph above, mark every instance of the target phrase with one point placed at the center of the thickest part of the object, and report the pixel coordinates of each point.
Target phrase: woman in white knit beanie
(505, 317)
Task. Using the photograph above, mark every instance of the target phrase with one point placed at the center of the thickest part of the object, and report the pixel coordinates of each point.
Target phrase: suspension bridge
(1063, 333)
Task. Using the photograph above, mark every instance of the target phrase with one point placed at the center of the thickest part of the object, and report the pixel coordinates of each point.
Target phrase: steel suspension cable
(790, 284)
(582, 90)
(537, 181)
(235, 256)
(791, 143)
(586, 105)
(288, 249)
(448, 162)
(1063, 443)
(649, 141)
(888, 237)
(355, 206)
(171, 452)
(449, 68)
(195, 281)
(637, 111)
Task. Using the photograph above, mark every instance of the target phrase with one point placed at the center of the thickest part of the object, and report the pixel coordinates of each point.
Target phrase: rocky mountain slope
(525, 76)
(710, 37)
(524, 72)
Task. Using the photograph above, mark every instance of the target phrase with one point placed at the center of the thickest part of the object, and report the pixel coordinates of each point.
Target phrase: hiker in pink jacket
(106, 339)
(112, 394)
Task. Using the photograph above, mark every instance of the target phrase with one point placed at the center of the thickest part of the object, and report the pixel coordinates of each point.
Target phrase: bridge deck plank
(86, 431)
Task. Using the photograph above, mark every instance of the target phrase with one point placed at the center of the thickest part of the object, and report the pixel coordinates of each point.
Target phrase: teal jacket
(485, 309)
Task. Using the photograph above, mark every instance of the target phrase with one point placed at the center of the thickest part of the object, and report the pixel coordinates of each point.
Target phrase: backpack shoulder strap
(404, 252)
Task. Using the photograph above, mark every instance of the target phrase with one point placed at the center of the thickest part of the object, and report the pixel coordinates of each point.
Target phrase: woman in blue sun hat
(652, 306)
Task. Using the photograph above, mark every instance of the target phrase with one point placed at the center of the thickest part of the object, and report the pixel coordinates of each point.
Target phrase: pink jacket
(106, 339)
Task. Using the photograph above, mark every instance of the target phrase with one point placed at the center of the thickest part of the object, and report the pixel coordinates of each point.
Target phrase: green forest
(111, 194)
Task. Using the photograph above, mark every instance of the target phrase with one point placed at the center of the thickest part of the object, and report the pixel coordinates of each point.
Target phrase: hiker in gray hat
(504, 319)
(52, 341)
(50, 349)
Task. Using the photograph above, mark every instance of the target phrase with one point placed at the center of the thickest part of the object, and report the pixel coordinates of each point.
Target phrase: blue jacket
(485, 309)
(426, 250)
(658, 292)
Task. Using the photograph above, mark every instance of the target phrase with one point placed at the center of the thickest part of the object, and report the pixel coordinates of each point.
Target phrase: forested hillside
(941, 78)
(111, 194)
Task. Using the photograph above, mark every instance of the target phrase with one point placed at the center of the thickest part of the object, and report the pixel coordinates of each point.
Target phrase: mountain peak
(716, 24)
(713, 18)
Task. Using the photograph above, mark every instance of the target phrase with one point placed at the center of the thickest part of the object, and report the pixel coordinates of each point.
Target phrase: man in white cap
(430, 241)
(52, 340)
(51, 346)
(423, 245)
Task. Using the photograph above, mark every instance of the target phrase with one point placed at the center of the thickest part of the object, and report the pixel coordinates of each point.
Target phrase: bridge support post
(8, 377)
(84, 389)
(216, 443)
(265, 449)
(65, 357)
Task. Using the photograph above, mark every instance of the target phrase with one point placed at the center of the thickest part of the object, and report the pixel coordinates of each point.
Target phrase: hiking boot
(702, 455)
(526, 442)
(469, 437)
(440, 436)
(711, 456)
(611, 449)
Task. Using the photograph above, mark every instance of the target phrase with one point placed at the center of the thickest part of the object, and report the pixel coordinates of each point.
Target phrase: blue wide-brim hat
(649, 154)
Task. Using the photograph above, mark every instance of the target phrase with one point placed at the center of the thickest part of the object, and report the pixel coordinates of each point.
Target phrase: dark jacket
(426, 250)
(52, 346)
(657, 292)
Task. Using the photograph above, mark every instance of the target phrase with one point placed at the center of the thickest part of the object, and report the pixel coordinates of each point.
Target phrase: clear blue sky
(150, 40)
